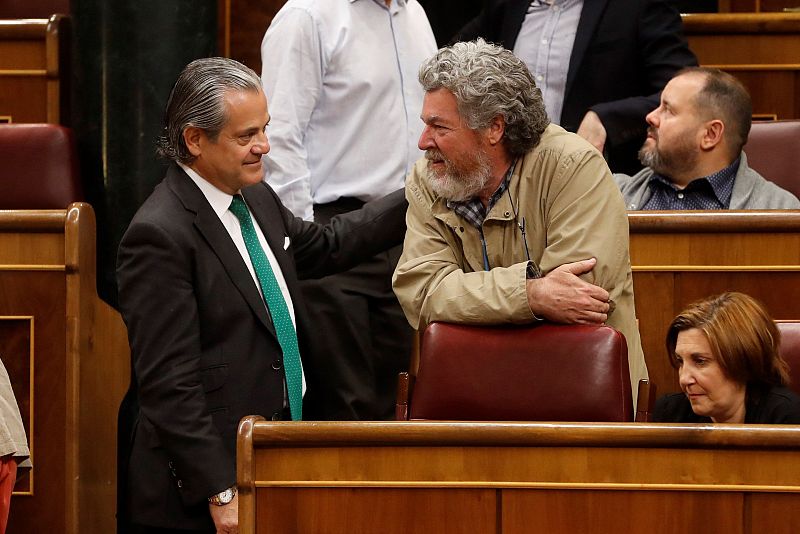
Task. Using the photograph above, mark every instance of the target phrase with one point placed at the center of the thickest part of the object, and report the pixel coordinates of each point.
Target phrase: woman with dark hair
(725, 349)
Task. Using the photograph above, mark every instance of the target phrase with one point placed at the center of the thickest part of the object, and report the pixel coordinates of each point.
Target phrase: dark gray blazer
(204, 351)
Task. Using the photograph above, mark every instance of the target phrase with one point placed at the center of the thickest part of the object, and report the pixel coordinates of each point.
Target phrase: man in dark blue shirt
(693, 153)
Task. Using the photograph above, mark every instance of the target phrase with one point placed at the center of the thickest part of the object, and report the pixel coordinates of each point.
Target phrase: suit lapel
(215, 234)
(590, 15)
(512, 22)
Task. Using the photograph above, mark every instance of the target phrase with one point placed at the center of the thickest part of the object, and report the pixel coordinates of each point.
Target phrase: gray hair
(489, 81)
(198, 99)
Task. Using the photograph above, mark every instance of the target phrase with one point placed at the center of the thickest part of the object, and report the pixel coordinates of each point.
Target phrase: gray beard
(668, 164)
(458, 185)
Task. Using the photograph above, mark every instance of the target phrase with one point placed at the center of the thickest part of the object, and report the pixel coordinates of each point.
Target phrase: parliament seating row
(534, 373)
(553, 478)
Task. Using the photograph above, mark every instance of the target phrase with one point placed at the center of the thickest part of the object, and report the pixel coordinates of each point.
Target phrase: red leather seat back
(38, 167)
(522, 373)
(773, 149)
(790, 350)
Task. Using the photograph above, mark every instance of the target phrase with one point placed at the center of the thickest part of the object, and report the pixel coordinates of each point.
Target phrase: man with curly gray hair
(511, 219)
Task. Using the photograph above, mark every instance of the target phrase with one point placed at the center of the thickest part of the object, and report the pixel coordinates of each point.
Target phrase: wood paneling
(680, 257)
(241, 38)
(761, 49)
(385, 510)
(79, 359)
(33, 70)
(551, 478)
(653, 512)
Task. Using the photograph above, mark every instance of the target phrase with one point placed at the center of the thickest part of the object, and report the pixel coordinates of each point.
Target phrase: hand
(562, 297)
(226, 517)
(592, 130)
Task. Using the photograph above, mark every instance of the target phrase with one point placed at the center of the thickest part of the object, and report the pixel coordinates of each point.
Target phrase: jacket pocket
(213, 377)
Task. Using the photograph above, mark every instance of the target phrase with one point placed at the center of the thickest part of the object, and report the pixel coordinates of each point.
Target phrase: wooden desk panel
(384, 510)
(761, 49)
(34, 70)
(71, 369)
(551, 478)
(680, 257)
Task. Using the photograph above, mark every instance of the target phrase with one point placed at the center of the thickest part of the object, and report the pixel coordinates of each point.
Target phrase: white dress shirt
(340, 77)
(545, 45)
(220, 202)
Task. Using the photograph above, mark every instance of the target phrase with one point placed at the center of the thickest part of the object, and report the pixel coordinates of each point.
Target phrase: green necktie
(287, 336)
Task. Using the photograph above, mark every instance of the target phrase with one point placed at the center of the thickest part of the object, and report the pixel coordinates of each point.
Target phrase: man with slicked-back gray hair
(207, 273)
(511, 219)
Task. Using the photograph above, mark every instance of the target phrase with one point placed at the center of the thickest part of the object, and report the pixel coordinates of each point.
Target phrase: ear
(496, 129)
(193, 137)
(712, 134)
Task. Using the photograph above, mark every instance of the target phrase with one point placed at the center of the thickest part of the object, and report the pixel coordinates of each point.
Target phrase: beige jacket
(12, 433)
(572, 210)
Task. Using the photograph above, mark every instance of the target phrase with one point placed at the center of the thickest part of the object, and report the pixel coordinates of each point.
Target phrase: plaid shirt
(710, 193)
(472, 210)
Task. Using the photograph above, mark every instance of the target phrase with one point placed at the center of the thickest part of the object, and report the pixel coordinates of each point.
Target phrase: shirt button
(540, 77)
(544, 41)
(276, 365)
(276, 416)
(680, 195)
(180, 483)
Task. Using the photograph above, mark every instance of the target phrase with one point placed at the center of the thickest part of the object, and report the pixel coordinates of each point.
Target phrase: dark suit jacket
(204, 350)
(625, 52)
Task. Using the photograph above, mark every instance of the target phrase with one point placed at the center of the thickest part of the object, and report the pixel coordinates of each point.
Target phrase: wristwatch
(224, 497)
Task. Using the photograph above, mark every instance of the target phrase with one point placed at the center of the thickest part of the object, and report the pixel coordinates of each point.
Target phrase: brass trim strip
(31, 267)
(515, 485)
(36, 73)
(715, 268)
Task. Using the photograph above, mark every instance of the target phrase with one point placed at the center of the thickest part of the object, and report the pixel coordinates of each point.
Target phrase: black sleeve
(663, 51)
(348, 239)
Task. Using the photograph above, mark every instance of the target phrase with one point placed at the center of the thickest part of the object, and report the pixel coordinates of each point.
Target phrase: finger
(593, 318)
(597, 292)
(580, 267)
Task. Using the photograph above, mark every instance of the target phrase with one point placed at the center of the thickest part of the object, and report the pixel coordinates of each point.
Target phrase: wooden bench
(67, 354)
(34, 70)
(422, 477)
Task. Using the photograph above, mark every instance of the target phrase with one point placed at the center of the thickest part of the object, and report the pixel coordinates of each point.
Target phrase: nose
(261, 144)
(426, 139)
(652, 118)
(685, 376)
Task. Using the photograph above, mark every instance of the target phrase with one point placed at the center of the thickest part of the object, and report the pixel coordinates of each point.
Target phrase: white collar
(220, 200)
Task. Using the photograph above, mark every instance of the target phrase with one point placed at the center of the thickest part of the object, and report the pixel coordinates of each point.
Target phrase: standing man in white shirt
(341, 78)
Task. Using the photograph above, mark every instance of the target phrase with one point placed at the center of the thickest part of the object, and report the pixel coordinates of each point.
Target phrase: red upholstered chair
(790, 350)
(519, 373)
(38, 167)
(773, 149)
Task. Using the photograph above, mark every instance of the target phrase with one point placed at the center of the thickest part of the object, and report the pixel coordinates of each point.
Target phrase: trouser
(361, 338)
(8, 476)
